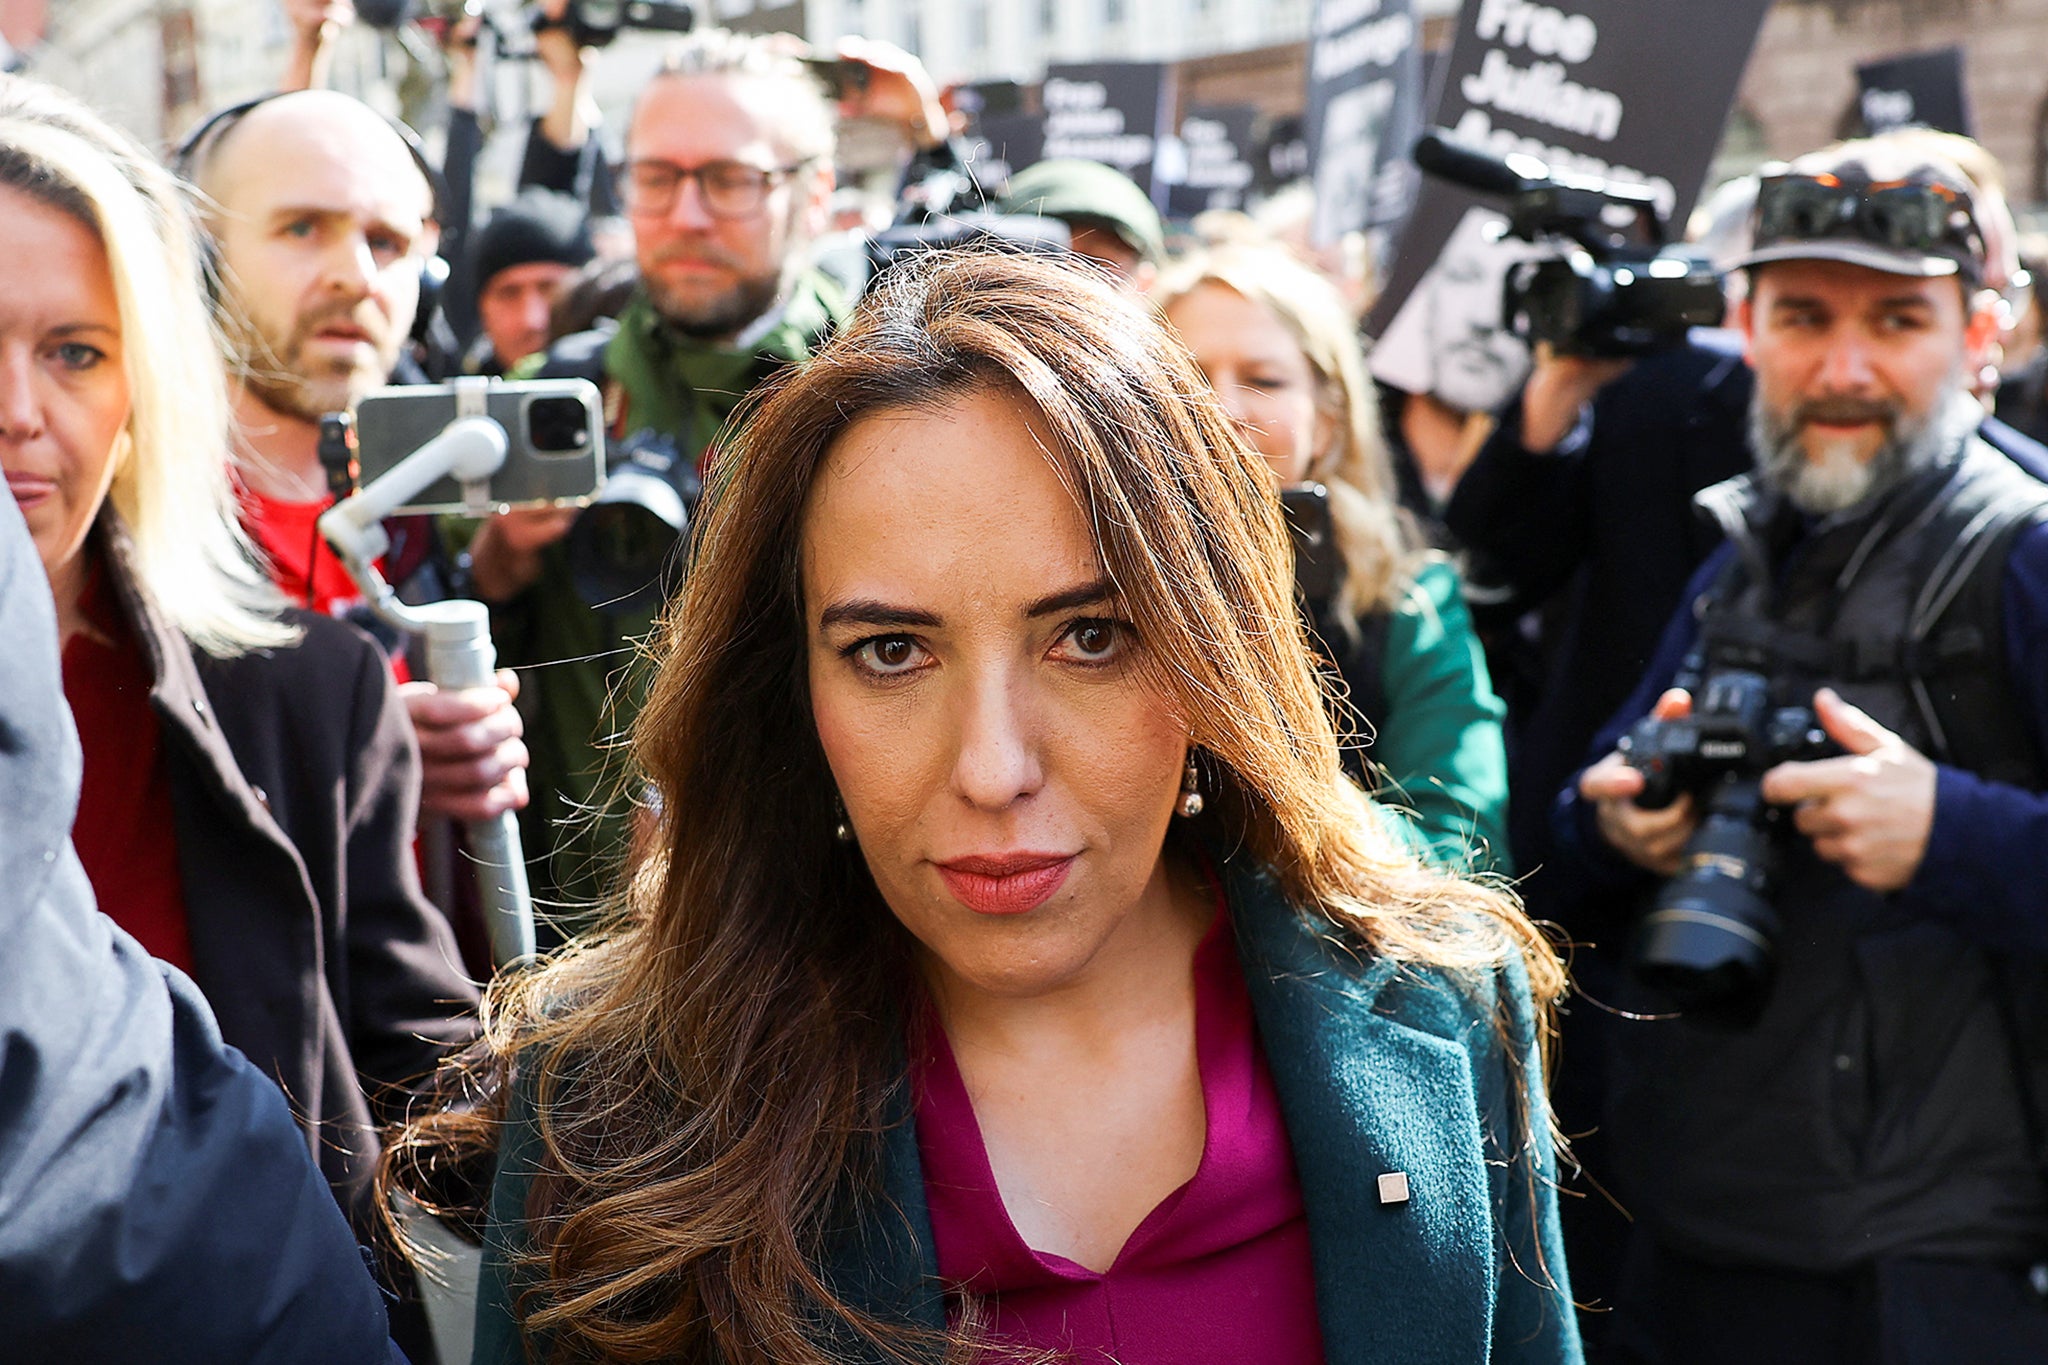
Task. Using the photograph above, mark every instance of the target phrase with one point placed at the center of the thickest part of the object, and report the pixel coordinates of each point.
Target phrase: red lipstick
(1008, 883)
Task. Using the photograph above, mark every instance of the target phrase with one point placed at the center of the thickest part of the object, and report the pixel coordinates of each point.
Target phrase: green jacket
(1378, 1069)
(1439, 747)
(583, 674)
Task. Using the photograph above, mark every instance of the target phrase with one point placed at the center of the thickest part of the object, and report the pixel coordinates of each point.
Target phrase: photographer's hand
(1559, 387)
(898, 89)
(1654, 840)
(504, 559)
(572, 109)
(1869, 812)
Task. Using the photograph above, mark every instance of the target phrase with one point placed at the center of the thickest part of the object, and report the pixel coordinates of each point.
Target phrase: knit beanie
(539, 225)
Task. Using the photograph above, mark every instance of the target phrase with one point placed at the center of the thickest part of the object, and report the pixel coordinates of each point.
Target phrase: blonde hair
(1381, 544)
(171, 486)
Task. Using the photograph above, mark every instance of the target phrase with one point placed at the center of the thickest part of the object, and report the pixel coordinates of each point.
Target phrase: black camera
(625, 548)
(1615, 287)
(594, 23)
(1709, 941)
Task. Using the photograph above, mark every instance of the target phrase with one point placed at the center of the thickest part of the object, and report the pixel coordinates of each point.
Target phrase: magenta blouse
(1218, 1271)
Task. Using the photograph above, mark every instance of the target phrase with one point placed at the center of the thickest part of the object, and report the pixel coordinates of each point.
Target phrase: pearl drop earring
(1190, 791)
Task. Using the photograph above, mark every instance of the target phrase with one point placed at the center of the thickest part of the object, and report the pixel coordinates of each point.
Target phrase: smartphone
(1318, 565)
(554, 431)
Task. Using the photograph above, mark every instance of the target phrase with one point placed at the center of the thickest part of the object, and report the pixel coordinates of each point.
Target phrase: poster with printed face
(1627, 92)
(1925, 88)
(1364, 111)
(1452, 339)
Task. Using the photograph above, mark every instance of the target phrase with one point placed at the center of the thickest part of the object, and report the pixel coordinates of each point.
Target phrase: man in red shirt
(322, 218)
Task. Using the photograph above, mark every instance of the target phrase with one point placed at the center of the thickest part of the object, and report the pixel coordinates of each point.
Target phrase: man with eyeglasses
(726, 181)
(1851, 1169)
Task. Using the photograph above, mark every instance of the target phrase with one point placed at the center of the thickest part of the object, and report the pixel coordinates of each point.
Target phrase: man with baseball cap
(1112, 221)
(1829, 1118)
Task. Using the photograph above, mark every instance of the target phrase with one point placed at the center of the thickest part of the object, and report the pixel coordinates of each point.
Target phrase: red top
(124, 833)
(304, 567)
(1218, 1271)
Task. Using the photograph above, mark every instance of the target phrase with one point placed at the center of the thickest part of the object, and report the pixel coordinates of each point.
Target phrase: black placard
(1618, 89)
(1214, 159)
(1112, 112)
(1364, 111)
(1923, 87)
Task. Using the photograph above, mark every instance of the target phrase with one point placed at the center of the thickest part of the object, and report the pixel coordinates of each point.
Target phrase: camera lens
(1709, 942)
(558, 426)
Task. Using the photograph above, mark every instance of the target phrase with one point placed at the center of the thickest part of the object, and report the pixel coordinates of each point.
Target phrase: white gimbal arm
(458, 634)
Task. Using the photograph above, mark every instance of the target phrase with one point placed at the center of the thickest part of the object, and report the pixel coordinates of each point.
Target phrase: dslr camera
(626, 548)
(1709, 941)
(1613, 286)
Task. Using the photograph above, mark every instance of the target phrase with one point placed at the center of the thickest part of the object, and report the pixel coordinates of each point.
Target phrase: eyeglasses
(1899, 215)
(731, 189)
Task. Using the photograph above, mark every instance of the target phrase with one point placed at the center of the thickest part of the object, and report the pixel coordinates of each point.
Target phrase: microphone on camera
(1463, 164)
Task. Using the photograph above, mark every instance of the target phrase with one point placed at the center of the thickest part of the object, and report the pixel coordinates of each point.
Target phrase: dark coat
(1378, 1069)
(157, 1201)
(1605, 537)
(295, 785)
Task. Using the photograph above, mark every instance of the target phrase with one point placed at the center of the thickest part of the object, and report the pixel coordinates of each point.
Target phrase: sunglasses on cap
(1909, 217)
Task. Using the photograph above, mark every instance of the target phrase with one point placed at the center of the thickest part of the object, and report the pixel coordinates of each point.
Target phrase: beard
(724, 314)
(280, 372)
(1834, 477)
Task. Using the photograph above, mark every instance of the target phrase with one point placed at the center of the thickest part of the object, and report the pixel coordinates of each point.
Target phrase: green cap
(1088, 191)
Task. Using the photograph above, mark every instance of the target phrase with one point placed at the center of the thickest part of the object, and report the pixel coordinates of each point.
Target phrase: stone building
(1800, 89)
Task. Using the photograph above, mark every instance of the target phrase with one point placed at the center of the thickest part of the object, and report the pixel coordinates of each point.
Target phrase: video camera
(592, 23)
(1615, 287)
(1709, 941)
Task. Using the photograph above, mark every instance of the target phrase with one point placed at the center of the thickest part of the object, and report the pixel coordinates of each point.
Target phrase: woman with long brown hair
(1014, 968)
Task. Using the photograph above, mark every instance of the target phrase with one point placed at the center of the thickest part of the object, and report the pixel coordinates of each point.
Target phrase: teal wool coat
(1379, 1069)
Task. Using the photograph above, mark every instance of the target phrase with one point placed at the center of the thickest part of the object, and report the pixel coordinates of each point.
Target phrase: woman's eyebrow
(868, 612)
(1085, 595)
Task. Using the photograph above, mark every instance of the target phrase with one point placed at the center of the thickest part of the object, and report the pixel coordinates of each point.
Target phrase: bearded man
(727, 180)
(322, 218)
(1852, 1170)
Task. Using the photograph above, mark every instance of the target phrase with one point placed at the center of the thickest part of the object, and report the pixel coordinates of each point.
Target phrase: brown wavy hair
(714, 1075)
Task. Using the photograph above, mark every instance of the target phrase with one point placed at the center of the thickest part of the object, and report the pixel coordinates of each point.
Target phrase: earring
(1190, 791)
(843, 829)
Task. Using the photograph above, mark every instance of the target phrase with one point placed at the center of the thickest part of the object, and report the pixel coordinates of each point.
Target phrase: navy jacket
(1987, 854)
(1600, 533)
(157, 1200)
(1378, 1069)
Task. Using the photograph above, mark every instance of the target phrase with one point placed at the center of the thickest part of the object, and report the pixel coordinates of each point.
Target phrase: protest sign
(1924, 88)
(1632, 93)
(1364, 111)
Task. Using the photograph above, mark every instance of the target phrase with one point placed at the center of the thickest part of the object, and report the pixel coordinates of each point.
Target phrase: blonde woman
(1275, 342)
(250, 777)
